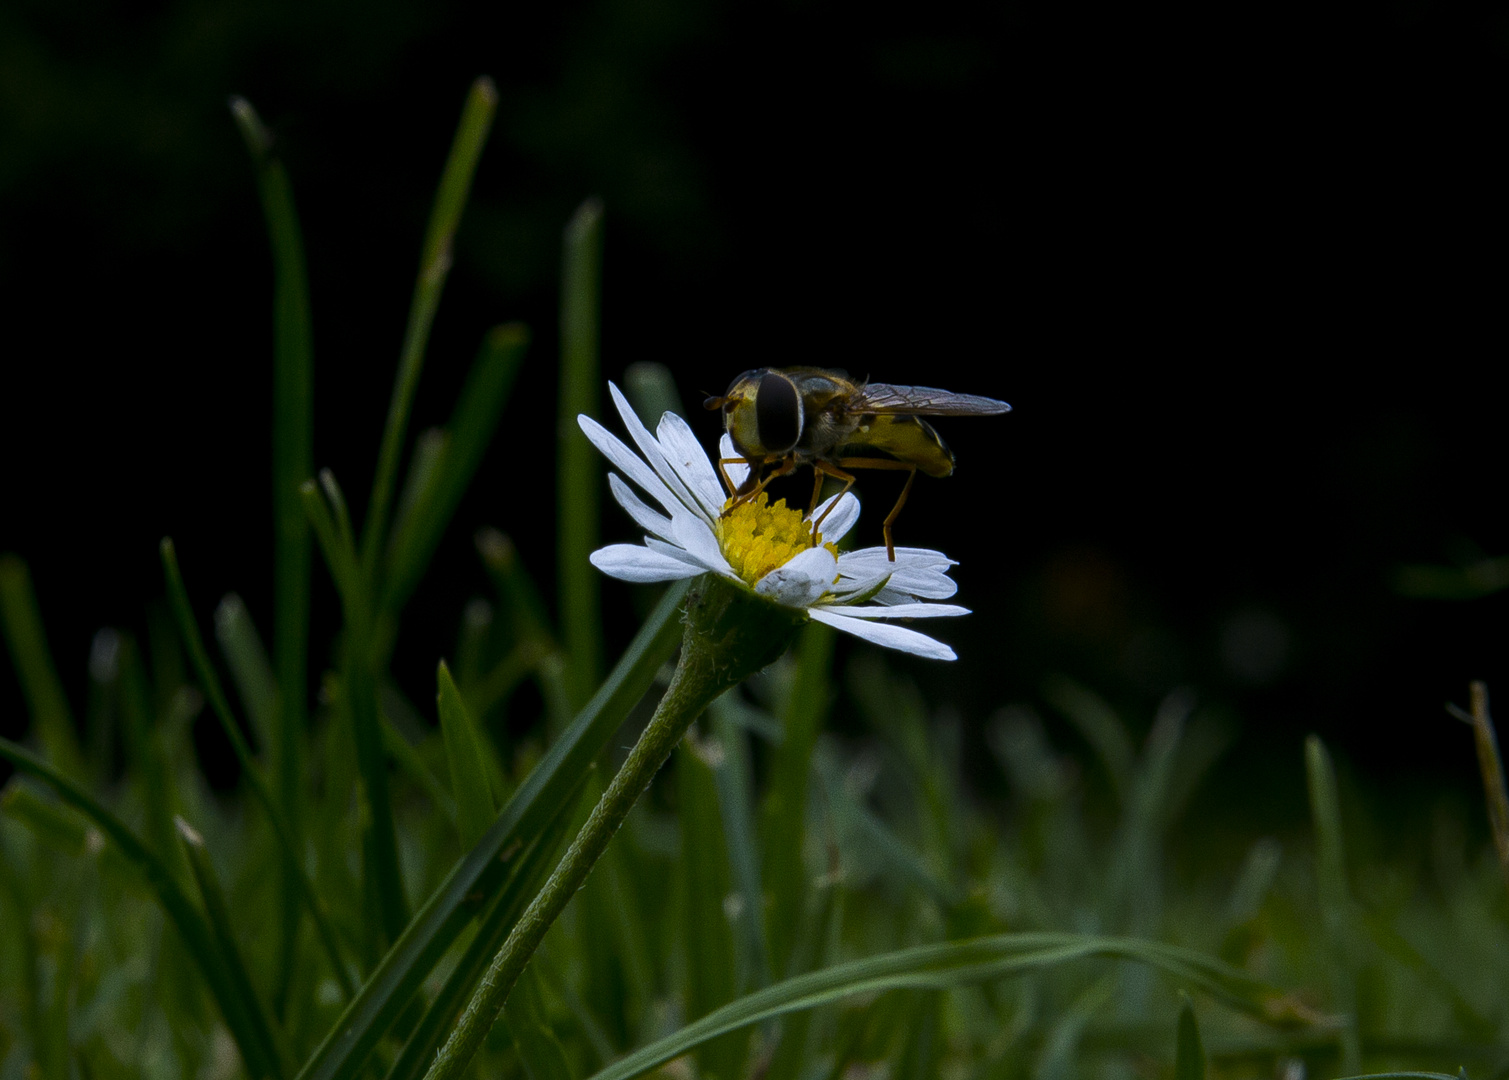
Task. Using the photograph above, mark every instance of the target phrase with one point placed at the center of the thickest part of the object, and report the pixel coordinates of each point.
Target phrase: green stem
(730, 634)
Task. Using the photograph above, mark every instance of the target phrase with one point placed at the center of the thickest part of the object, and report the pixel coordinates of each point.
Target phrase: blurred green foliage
(798, 903)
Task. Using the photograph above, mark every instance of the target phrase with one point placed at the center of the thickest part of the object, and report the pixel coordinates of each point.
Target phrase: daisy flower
(766, 547)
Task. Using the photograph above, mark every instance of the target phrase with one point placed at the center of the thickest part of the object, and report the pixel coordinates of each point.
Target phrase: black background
(1239, 269)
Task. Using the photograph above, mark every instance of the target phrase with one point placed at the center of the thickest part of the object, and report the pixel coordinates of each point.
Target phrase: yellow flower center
(758, 536)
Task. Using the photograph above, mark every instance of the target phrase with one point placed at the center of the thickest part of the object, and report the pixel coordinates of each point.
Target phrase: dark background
(1239, 269)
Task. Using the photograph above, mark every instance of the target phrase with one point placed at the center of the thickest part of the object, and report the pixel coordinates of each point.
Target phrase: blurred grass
(578, 469)
(22, 622)
(284, 714)
(1335, 897)
(467, 756)
(794, 904)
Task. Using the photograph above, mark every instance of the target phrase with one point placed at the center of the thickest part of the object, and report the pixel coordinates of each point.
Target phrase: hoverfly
(812, 416)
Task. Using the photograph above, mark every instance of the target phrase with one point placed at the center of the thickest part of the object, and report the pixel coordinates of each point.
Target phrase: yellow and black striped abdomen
(905, 438)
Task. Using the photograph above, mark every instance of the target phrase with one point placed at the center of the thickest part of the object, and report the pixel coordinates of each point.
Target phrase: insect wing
(922, 401)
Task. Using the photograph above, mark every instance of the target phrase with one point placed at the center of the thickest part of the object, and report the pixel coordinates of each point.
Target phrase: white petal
(904, 611)
(921, 584)
(654, 455)
(842, 518)
(675, 551)
(892, 637)
(802, 579)
(737, 471)
(891, 597)
(694, 535)
(876, 558)
(847, 586)
(630, 562)
(627, 462)
(916, 574)
(686, 456)
(651, 522)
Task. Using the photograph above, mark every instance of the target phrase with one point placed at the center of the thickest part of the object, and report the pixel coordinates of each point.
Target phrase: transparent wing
(921, 401)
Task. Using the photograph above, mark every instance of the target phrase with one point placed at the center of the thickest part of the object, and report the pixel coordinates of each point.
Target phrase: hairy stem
(730, 634)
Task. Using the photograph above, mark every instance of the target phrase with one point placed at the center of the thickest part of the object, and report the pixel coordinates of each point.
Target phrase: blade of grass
(1189, 1051)
(736, 807)
(618, 985)
(868, 846)
(942, 967)
(22, 623)
(928, 748)
(62, 946)
(578, 478)
(1059, 1059)
(1133, 894)
(851, 1041)
(625, 868)
(61, 830)
(469, 433)
(101, 717)
(1099, 725)
(18, 884)
(520, 599)
(493, 688)
(1335, 898)
(146, 755)
(1259, 871)
(528, 872)
(783, 824)
(334, 539)
(1382, 933)
(188, 630)
(704, 873)
(1492, 768)
(1207, 737)
(292, 464)
(426, 463)
(473, 640)
(818, 936)
(651, 389)
(539, 1049)
(465, 752)
(545, 794)
(186, 918)
(531, 625)
(434, 266)
(382, 883)
(924, 1041)
(408, 760)
(275, 1050)
(241, 646)
(589, 1033)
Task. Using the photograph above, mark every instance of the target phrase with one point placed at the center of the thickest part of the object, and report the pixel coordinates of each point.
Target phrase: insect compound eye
(778, 411)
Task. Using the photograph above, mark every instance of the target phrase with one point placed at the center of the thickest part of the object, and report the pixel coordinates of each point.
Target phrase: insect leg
(819, 470)
(742, 497)
(885, 463)
(885, 527)
(727, 480)
(817, 489)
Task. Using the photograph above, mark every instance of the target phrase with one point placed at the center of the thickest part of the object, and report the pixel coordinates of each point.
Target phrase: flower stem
(730, 634)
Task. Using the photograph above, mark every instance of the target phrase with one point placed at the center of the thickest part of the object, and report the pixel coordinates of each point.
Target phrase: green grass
(781, 904)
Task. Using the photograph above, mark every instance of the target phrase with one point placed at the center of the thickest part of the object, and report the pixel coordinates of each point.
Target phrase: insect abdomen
(906, 438)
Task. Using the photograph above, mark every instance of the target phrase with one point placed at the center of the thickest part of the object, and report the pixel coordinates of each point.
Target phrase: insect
(813, 416)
